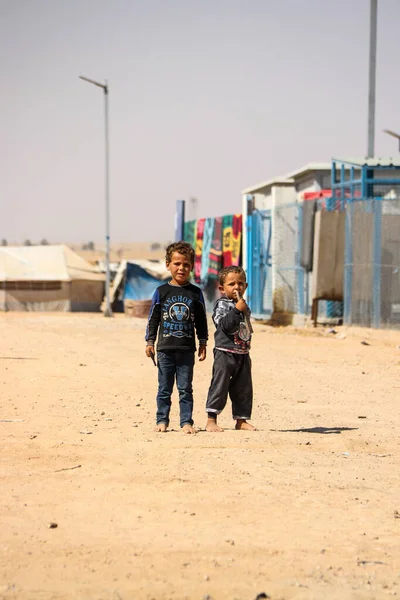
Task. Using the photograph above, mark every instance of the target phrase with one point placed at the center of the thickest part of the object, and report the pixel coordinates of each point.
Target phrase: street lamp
(104, 86)
(393, 134)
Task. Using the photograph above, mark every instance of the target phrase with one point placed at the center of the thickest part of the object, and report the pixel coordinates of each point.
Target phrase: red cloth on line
(198, 250)
(232, 237)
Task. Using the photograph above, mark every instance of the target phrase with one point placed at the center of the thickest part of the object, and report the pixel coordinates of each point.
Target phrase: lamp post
(104, 86)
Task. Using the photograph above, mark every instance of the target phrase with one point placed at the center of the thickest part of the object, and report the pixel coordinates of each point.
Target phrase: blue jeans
(173, 364)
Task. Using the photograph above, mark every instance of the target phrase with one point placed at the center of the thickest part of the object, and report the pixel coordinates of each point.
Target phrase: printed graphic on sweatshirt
(177, 317)
(232, 332)
(244, 332)
(242, 336)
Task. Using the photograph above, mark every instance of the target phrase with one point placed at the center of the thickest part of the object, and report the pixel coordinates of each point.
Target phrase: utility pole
(372, 77)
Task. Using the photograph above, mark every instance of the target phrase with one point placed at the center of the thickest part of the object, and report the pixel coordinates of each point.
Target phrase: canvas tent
(48, 278)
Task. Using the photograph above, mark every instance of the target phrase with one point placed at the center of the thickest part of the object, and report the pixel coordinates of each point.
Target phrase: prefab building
(272, 212)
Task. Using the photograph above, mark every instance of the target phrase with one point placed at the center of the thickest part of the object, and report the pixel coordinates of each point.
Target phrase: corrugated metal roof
(369, 162)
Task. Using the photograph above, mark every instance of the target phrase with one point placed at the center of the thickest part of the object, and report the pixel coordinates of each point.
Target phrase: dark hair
(182, 248)
(226, 270)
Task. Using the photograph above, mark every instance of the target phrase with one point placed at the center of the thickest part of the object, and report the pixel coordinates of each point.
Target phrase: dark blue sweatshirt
(177, 314)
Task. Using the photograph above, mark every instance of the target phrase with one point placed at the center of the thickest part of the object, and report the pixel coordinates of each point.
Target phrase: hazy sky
(207, 97)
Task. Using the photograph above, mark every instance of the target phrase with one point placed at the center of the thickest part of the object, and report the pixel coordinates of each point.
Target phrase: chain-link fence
(372, 260)
(289, 277)
(276, 279)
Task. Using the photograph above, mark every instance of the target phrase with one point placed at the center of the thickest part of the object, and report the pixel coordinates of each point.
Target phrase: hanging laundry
(231, 239)
(205, 257)
(189, 232)
(198, 250)
(215, 259)
(236, 239)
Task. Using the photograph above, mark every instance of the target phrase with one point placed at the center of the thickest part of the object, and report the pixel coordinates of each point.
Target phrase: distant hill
(95, 252)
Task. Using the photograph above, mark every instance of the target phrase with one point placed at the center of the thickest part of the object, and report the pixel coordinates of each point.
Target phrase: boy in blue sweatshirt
(177, 314)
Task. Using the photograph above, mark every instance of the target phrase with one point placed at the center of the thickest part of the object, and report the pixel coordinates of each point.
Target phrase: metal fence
(260, 272)
(278, 284)
(276, 279)
(372, 262)
(289, 289)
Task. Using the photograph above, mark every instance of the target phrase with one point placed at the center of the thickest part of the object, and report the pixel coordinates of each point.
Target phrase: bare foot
(212, 426)
(189, 429)
(242, 424)
(162, 427)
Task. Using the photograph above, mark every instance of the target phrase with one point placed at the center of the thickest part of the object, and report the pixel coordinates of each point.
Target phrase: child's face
(180, 268)
(234, 282)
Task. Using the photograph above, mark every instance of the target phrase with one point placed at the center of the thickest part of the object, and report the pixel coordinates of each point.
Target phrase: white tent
(48, 278)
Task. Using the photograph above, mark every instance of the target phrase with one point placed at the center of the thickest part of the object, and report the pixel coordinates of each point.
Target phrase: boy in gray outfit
(232, 365)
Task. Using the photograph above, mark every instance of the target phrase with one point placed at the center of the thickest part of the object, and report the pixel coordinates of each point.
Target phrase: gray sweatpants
(231, 375)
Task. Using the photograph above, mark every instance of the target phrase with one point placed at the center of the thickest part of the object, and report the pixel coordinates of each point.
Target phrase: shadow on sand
(324, 430)
(18, 358)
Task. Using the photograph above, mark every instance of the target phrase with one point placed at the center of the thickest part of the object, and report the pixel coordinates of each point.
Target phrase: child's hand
(241, 305)
(150, 351)
(202, 352)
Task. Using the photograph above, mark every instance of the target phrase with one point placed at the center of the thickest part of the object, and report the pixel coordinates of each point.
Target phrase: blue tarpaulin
(139, 284)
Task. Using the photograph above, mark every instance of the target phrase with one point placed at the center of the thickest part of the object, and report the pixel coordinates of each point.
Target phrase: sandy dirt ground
(305, 508)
